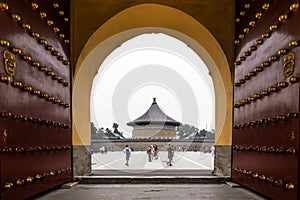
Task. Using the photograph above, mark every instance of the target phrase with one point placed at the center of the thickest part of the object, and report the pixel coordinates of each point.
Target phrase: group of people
(103, 150)
(152, 152)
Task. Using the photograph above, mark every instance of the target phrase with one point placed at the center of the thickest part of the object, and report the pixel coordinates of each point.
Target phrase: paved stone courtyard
(139, 160)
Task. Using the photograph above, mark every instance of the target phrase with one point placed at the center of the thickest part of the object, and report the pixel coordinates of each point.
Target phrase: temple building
(154, 124)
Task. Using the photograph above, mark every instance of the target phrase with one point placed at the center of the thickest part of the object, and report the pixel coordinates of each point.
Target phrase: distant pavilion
(154, 124)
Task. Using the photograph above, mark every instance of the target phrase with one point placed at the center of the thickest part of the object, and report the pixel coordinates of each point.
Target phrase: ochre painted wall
(152, 18)
(216, 15)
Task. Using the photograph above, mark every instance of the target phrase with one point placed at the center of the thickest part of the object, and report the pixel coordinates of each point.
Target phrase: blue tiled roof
(154, 116)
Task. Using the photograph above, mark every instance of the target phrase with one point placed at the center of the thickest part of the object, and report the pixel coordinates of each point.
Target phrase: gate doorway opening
(124, 26)
(146, 66)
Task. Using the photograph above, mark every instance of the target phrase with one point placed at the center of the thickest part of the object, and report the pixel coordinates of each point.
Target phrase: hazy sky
(147, 66)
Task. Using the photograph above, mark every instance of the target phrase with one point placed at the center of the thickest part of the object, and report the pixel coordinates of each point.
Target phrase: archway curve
(152, 18)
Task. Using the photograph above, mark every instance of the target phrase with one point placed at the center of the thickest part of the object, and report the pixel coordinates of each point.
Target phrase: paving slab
(150, 192)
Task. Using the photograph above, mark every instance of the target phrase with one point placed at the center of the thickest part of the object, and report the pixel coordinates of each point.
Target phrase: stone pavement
(189, 178)
(150, 192)
(139, 160)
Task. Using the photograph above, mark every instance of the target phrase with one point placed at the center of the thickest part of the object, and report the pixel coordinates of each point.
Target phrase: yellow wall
(151, 18)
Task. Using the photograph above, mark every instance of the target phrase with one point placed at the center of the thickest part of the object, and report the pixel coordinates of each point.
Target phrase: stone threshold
(152, 172)
(151, 179)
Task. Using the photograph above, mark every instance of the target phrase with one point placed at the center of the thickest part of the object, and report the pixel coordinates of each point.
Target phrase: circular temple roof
(154, 116)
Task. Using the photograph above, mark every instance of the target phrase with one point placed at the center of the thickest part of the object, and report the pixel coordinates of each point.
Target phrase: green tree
(107, 132)
(115, 126)
(186, 130)
(207, 134)
(116, 131)
(210, 134)
(203, 133)
(101, 133)
(94, 134)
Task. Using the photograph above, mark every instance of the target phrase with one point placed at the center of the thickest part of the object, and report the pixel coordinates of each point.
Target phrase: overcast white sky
(147, 66)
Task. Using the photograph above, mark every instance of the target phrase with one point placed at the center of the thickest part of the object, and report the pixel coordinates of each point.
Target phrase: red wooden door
(35, 97)
(266, 98)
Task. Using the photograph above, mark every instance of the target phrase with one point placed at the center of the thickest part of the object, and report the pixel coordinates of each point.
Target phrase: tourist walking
(150, 153)
(156, 149)
(127, 152)
(212, 150)
(170, 151)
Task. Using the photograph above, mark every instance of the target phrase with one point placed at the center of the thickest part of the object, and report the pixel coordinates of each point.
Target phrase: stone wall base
(222, 165)
(81, 161)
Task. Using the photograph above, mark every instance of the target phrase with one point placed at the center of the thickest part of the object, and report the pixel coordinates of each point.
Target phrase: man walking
(127, 152)
(170, 154)
(150, 153)
(156, 149)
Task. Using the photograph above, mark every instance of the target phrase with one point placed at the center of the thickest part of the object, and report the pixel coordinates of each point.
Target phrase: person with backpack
(127, 152)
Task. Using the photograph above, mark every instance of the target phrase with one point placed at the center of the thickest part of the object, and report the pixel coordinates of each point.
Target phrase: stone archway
(125, 26)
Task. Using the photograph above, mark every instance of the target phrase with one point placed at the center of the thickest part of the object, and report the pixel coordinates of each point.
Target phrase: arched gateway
(153, 18)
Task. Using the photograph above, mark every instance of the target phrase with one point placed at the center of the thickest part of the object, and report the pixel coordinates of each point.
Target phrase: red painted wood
(282, 133)
(37, 147)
